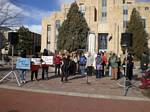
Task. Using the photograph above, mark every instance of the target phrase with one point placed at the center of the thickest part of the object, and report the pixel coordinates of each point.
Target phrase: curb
(86, 95)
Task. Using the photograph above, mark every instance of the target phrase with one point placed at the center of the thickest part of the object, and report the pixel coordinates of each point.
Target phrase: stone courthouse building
(107, 20)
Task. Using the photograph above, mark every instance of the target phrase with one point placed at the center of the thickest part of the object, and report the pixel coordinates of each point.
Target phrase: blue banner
(23, 63)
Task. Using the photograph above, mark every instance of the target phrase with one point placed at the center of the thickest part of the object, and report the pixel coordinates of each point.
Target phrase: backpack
(82, 60)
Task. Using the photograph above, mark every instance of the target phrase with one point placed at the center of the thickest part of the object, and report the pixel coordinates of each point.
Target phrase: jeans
(65, 73)
(57, 69)
(32, 74)
(22, 74)
(82, 70)
(110, 71)
(44, 70)
(99, 73)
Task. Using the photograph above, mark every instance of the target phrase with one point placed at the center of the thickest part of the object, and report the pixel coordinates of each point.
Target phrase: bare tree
(10, 14)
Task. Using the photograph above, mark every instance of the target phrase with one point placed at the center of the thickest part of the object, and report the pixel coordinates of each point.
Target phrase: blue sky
(34, 10)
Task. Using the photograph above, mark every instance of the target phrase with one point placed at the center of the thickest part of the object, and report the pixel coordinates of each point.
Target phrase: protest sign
(47, 60)
(36, 61)
(23, 63)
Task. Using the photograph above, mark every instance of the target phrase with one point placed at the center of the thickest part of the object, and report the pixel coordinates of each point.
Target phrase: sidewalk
(77, 86)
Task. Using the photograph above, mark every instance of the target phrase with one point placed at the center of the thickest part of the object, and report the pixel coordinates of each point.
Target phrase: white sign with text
(47, 60)
(36, 61)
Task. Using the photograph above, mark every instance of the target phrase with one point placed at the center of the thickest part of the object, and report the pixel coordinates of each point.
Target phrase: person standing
(109, 65)
(130, 65)
(75, 59)
(114, 66)
(72, 67)
(144, 62)
(65, 67)
(99, 66)
(104, 58)
(45, 66)
(57, 62)
(119, 66)
(34, 69)
(82, 63)
(89, 64)
(22, 71)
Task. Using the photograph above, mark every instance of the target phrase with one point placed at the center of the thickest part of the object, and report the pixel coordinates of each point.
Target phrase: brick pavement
(22, 101)
(77, 84)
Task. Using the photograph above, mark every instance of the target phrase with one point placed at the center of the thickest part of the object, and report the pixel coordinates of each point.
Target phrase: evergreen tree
(74, 30)
(25, 40)
(139, 35)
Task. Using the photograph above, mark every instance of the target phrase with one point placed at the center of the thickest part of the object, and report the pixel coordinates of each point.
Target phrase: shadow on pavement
(77, 77)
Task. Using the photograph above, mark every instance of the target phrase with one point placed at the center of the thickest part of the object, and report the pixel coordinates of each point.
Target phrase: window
(82, 8)
(123, 1)
(102, 41)
(125, 11)
(57, 23)
(129, 2)
(104, 10)
(125, 15)
(48, 34)
(125, 23)
(95, 14)
(104, 3)
(104, 14)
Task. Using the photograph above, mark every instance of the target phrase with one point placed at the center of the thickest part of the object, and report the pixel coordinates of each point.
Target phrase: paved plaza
(76, 86)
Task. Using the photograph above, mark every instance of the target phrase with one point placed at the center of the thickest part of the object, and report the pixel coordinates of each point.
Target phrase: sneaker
(24, 81)
(21, 82)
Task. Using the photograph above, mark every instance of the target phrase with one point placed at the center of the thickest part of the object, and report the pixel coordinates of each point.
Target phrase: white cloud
(34, 13)
(34, 28)
(28, 13)
(66, 1)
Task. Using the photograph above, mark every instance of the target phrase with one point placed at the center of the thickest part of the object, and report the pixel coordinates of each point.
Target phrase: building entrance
(102, 41)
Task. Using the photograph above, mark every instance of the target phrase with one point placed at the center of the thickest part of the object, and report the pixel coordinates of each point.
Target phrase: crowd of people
(101, 65)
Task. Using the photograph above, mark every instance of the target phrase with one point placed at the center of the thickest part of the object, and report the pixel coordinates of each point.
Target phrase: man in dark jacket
(65, 67)
(23, 71)
(130, 65)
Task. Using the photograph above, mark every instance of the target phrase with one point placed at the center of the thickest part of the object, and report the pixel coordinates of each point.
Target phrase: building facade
(107, 20)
